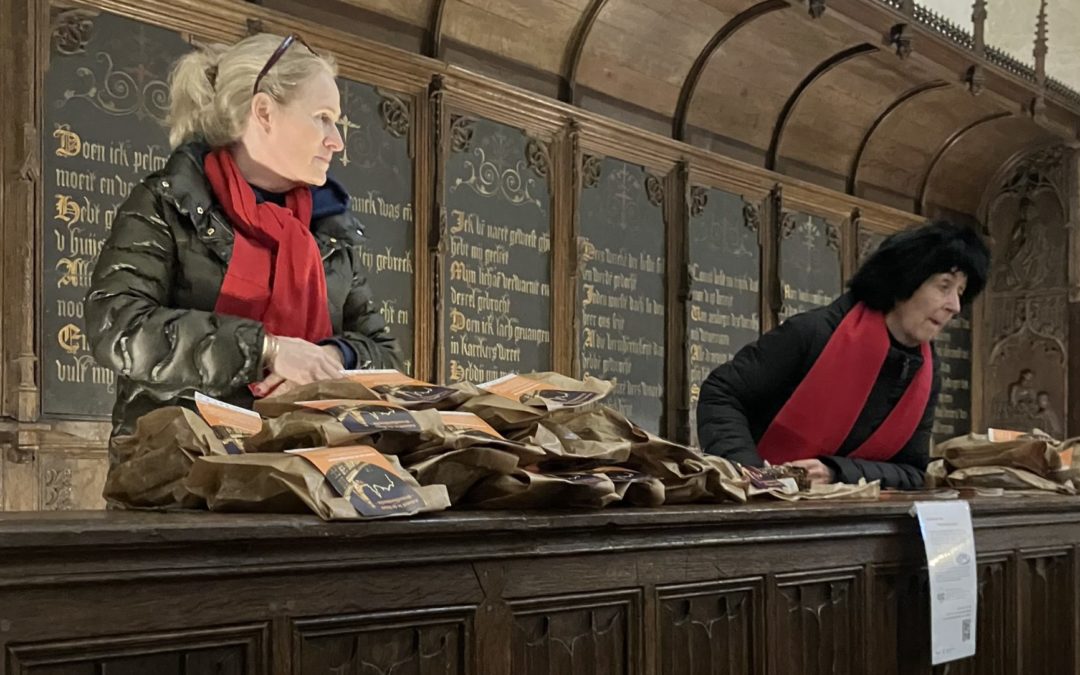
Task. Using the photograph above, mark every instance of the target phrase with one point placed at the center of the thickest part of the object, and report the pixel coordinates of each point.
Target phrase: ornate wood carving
(461, 133)
(699, 199)
(900, 39)
(978, 21)
(711, 629)
(590, 170)
(788, 225)
(394, 113)
(425, 641)
(975, 78)
(72, 29)
(654, 190)
(593, 633)
(538, 157)
(752, 216)
(832, 236)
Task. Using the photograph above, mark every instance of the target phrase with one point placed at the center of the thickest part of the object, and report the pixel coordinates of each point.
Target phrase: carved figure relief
(1027, 306)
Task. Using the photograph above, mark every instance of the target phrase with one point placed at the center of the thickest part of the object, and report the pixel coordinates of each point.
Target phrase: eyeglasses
(276, 56)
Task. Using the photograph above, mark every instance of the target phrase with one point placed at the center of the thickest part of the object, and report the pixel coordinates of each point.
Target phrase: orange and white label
(221, 414)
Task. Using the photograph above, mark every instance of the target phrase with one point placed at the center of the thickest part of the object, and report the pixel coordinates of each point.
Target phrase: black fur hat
(907, 259)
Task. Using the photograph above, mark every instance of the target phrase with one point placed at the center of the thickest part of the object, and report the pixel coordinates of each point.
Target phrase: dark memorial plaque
(496, 274)
(377, 171)
(724, 284)
(809, 263)
(952, 417)
(105, 104)
(621, 253)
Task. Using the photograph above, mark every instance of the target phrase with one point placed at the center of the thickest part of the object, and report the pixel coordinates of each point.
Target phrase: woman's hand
(299, 362)
(816, 471)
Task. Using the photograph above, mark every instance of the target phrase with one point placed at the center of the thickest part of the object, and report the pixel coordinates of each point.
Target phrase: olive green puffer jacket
(150, 309)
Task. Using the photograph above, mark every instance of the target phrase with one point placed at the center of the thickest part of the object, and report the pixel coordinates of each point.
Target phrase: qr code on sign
(965, 630)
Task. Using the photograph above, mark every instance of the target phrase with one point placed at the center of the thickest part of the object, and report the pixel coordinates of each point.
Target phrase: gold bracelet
(269, 351)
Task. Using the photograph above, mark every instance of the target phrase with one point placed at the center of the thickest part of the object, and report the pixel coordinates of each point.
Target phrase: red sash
(818, 417)
(275, 274)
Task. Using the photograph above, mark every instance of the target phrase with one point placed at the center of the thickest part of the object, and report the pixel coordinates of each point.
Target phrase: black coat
(740, 398)
(150, 310)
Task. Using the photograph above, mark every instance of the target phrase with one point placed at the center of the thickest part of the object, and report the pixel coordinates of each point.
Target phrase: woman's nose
(333, 140)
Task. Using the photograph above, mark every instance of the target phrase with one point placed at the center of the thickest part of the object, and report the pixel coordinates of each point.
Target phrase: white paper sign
(954, 581)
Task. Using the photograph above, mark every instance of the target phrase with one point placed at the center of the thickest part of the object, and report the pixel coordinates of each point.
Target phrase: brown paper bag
(463, 430)
(151, 464)
(408, 392)
(278, 404)
(529, 490)
(1005, 477)
(336, 484)
(334, 422)
(459, 470)
(148, 467)
(548, 390)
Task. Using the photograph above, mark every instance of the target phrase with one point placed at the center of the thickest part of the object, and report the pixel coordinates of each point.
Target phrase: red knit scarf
(819, 416)
(275, 274)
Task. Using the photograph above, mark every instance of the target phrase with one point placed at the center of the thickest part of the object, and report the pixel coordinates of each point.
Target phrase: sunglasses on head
(276, 56)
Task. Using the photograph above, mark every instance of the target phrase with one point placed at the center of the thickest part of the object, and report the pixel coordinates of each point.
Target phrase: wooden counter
(768, 588)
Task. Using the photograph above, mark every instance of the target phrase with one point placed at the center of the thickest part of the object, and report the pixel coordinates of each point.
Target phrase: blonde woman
(235, 269)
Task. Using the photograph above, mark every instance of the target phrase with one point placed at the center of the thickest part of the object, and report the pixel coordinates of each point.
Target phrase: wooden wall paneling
(898, 620)
(711, 628)
(427, 640)
(816, 622)
(769, 239)
(226, 650)
(22, 28)
(1045, 598)
(598, 632)
(1072, 194)
(677, 208)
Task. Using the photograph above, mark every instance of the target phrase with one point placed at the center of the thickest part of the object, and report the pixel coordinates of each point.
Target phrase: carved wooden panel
(418, 642)
(597, 633)
(868, 242)
(1047, 612)
(239, 650)
(899, 623)
(1027, 307)
(69, 481)
(817, 623)
(995, 634)
(711, 628)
